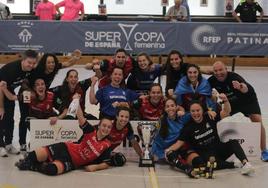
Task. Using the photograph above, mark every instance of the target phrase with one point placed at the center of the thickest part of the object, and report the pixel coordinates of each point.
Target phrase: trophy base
(146, 163)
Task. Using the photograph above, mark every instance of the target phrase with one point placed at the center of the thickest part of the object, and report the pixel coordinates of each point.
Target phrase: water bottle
(72, 110)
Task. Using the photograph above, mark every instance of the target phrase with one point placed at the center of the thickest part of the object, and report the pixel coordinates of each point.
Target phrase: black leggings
(23, 125)
(7, 123)
(223, 151)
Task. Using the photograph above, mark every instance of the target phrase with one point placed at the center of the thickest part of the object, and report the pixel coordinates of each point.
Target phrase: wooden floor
(131, 176)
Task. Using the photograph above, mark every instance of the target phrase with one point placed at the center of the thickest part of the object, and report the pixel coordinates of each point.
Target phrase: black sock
(32, 157)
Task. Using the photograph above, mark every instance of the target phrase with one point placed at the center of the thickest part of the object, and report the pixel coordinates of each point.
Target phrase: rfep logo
(205, 37)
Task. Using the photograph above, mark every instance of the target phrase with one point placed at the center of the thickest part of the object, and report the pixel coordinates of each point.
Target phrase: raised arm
(2, 109)
(226, 110)
(95, 66)
(76, 55)
(92, 95)
(236, 17)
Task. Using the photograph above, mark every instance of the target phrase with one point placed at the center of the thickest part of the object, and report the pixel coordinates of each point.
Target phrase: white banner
(247, 133)
(42, 133)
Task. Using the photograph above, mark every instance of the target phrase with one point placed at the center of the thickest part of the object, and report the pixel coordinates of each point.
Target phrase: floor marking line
(153, 177)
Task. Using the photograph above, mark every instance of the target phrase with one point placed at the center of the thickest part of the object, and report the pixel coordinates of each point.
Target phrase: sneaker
(264, 155)
(12, 150)
(3, 152)
(247, 169)
(237, 163)
(23, 148)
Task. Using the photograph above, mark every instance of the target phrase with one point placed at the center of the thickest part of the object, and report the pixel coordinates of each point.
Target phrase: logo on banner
(57, 134)
(205, 37)
(227, 133)
(127, 30)
(134, 39)
(25, 35)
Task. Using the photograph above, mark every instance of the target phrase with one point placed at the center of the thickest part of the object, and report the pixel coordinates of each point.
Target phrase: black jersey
(13, 74)
(173, 76)
(248, 11)
(235, 97)
(48, 78)
(201, 136)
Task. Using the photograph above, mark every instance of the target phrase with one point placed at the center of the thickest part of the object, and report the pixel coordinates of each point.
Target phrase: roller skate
(193, 173)
(211, 165)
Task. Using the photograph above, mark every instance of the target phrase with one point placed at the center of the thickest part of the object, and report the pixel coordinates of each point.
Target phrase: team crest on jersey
(151, 76)
(207, 126)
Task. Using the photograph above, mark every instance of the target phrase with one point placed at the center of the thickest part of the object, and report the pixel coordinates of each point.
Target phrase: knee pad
(49, 169)
(198, 162)
(118, 159)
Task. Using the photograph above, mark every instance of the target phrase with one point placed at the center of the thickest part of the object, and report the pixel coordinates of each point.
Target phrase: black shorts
(59, 152)
(247, 109)
(183, 153)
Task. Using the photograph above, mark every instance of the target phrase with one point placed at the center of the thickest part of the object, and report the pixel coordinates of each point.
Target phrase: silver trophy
(147, 131)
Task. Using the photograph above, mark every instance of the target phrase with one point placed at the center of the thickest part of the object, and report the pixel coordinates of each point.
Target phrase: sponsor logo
(247, 38)
(227, 133)
(205, 37)
(127, 30)
(128, 37)
(25, 35)
(58, 133)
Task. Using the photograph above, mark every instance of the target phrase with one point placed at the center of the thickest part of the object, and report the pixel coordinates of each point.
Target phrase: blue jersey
(174, 131)
(107, 95)
(186, 93)
(142, 81)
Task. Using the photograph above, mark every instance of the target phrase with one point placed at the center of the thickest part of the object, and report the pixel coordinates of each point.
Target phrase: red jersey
(105, 80)
(117, 136)
(148, 111)
(88, 148)
(189, 97)
(42, 109)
